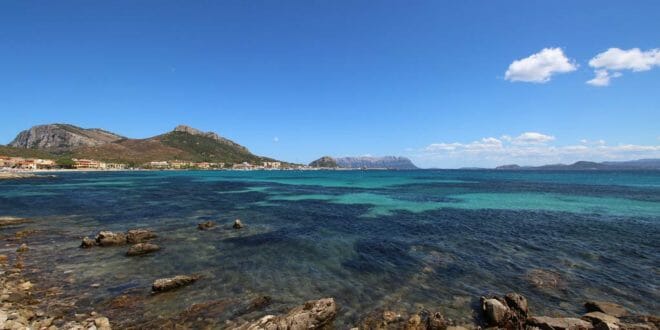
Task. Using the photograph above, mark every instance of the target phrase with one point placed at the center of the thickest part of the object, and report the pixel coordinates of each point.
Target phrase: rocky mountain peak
(62, 137)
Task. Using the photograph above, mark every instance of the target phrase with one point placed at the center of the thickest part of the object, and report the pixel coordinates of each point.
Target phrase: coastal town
(35, 164)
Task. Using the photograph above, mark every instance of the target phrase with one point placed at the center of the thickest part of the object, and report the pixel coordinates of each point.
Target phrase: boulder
(436, 322)
(142, 248)
(606, 307)
(517, 302)
(314, 314)
(495, 312)
(108, 238)
(558, 323)
(135, 236)
(171, 283)
(87, 243)
(206, 225)
(601, 320)
(238, 224)
(102, 323)
(22, 248)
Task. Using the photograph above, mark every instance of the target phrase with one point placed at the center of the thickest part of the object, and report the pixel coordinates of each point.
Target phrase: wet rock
(518, 303)
(606, 307)
(601, 320)
(22, 248)
(545, 279)
(108, 238)
(436, 322)
(87, 243)
(134, 236)
(558, 323)
(238, 224)
(206, 225)
(315, 314)
(391, 317)
(142, 248)
(260, 302)
(167, 284)
(495, 312)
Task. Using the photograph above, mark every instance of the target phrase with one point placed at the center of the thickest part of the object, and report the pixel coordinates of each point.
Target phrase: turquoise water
(371, 239)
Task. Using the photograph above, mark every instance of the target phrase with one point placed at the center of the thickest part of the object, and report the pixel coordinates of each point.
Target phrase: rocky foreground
(26, 305)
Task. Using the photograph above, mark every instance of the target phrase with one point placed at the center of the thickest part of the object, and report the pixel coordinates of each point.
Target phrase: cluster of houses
(176, 164)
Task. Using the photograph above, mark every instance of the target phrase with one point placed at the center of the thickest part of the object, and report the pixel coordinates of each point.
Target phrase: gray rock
(108, 238)
(559, 323)
(142, 248)
(62, 137)
(315, 314)
(167, 284)
(606, 307)
(134, 236)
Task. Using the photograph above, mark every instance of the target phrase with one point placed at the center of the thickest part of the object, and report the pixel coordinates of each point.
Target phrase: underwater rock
(8, 221)
(22, 248)
(545, 279)
(142, 248)
(171, 283)
(314, 314)
(238, 224)
(134, 236)
(206, 225)
(606, 307)
(108, 238)
(558, 323)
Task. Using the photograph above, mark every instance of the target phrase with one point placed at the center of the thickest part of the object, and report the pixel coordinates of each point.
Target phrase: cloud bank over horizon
(528, 148)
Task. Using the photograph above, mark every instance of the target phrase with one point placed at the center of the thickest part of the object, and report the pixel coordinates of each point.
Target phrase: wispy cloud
(610, 63)
(529, 148)
(540, 67)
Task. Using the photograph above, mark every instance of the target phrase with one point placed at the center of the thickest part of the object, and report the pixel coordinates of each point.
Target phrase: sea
(373, 240)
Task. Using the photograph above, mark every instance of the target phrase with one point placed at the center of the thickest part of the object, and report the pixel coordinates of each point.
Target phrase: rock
(314, 314)
(545, 279)
(601, 320)
(142, 248)
(260, 302)
(102, 323)
(456, 327)
(167, 284)
(436, 322)
(3, 259)
(27, 285)
(558, 323)
(22, 248)
(391, 317)
(134, 236)
(415, 323)
(238, 224)
(108, 238)
(206, 225)
(8, 221)
(517, 302)
(495, 312)
(609, 308)
(87, 243)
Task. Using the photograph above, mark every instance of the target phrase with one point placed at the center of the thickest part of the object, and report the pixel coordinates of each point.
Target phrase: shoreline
(30, 297)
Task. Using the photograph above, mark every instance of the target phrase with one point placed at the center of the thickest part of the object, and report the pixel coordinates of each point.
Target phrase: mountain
(387, 162)
(183, 143)
(325, 161)
(641, 164)
(62, 137)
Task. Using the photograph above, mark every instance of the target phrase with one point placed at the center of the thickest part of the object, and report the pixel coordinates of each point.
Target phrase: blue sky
(297, 80)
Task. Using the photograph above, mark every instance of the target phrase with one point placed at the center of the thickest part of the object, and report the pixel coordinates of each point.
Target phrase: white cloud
(609, 63)
(532, 138)
(529, 148)
(539, 67)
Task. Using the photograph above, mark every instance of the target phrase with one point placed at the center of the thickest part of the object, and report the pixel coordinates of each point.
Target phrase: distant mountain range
(183, 143)
(387, 162)
(641, 164)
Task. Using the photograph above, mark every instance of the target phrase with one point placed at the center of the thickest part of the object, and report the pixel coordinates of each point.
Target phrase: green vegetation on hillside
(206, 149)
(26, 153)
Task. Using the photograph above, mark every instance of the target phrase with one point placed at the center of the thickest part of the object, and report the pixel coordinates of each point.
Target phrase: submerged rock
(545, 279)
(206, 225)
(134, 236)
(8, 221)
(142, 248)
(108, 238)
(22, 248)
(559, 323)
(606, 307)
(238, 224)
(171, 283)
(314, 314)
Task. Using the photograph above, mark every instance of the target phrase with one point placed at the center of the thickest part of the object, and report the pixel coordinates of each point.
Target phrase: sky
(445, 83)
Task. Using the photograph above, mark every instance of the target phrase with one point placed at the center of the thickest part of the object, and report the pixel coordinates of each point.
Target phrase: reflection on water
(400, 240)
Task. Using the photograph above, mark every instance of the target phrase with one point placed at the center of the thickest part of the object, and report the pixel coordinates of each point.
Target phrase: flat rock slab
(171, 283)
(142, 248)
(606, 307)
(314, 314)
(559, 323)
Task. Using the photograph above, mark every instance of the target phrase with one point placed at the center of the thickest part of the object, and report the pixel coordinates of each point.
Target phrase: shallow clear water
(371, 239)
